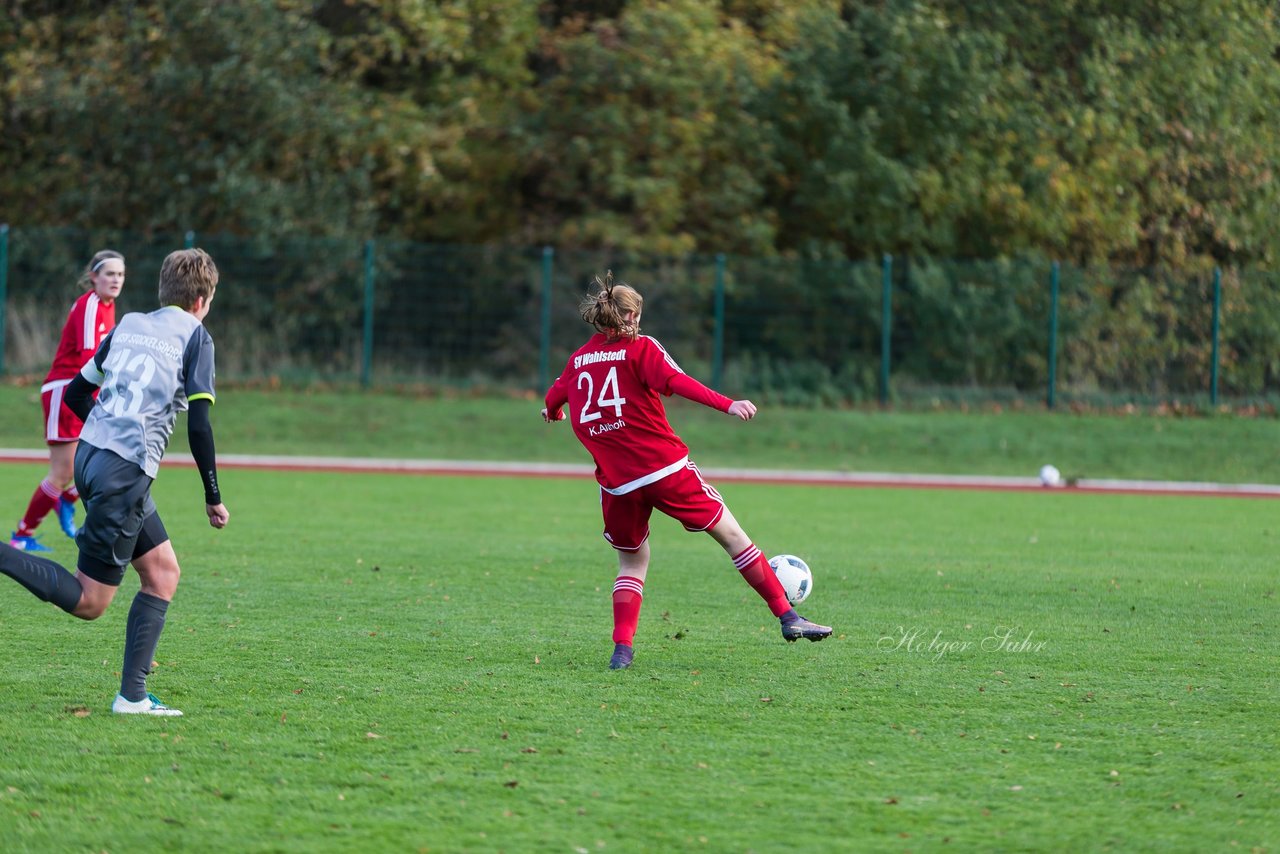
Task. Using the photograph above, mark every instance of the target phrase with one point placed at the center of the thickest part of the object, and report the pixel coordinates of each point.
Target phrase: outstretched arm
(687, 387)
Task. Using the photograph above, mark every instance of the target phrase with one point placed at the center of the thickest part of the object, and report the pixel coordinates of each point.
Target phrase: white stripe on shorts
(57, 387)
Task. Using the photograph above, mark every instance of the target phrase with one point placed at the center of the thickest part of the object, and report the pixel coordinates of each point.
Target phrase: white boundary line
(824, 478)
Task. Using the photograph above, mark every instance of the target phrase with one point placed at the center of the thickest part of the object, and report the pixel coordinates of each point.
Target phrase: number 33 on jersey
(149, 367)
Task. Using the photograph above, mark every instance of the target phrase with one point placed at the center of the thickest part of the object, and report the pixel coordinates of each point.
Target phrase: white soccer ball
(795, 577)
(1050, 476)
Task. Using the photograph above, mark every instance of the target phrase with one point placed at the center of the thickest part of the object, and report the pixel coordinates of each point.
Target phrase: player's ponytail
(607, 308)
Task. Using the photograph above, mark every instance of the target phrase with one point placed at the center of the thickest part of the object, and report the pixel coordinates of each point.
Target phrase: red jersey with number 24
(613, 392)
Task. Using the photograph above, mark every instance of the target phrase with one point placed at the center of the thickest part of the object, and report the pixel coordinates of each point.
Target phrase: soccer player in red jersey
(92, 316)
(613, 386)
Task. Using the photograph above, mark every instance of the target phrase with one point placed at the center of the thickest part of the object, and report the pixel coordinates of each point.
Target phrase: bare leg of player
(755, 570)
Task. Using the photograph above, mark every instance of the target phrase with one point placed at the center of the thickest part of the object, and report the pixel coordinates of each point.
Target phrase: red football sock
(42, 501)
(628, 594)
(755, 568)
(70, 494)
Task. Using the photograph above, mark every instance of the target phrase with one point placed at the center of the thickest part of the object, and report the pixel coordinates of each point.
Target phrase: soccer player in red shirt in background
(612, 385)
(92, 316)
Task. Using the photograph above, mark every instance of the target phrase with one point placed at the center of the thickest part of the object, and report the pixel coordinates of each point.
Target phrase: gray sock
(47, 580)
(142, 634)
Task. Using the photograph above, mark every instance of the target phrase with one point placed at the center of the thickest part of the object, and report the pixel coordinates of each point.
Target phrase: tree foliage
(1095, 131)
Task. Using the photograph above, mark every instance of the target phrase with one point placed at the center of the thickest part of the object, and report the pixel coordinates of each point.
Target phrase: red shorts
(60, 424)
(683, 495)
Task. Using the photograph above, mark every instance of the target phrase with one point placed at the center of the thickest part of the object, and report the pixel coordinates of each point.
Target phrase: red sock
(755, 568)
(42, 501)
(628, 593)
(70, 494)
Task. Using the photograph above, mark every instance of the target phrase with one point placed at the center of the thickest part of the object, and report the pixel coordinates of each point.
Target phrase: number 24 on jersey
(610, 397)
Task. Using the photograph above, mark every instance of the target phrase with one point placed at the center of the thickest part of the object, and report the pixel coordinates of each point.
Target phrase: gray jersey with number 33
(149, 367)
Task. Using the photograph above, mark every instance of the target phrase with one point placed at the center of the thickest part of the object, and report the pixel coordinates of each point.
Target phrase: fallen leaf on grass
(511, 784)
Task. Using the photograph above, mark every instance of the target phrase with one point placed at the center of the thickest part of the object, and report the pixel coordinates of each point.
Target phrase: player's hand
(218, 515)
(744, 409)
(546, 416)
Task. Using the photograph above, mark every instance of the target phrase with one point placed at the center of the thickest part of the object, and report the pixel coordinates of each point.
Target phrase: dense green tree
(1159, 121)
(894, 131)
(166, 116)
(1090, 130)
(642, 137)
(453, 83)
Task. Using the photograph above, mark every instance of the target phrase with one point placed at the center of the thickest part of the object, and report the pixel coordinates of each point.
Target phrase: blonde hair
(607, 308)
(186, 275)
(95, 263)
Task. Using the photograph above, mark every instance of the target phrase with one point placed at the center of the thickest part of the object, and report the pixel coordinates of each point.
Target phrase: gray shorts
(121, 522)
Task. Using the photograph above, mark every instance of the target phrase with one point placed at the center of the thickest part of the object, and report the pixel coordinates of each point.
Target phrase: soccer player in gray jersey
(150, 368)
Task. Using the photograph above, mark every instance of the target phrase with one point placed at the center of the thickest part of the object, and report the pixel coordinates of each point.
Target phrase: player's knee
(90, 608)
(162, 580)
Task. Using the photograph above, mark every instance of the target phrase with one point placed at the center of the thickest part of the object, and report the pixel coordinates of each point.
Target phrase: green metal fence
(387, 312)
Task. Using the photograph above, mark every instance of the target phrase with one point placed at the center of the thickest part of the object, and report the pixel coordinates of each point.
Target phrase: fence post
(717, 344)
(189, 240)
(544, 337)
(1217, 314)
(366, 358)
(4, 286)
(1053, 336)
(886, 323)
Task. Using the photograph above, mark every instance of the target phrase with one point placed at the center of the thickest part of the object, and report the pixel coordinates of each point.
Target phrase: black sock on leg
(44, 578)
(141, 636)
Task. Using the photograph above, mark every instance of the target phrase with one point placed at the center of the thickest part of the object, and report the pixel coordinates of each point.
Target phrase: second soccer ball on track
(794, 575)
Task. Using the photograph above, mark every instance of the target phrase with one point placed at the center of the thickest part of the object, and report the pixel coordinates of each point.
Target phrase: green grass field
(400, 663)
(1222, 447)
